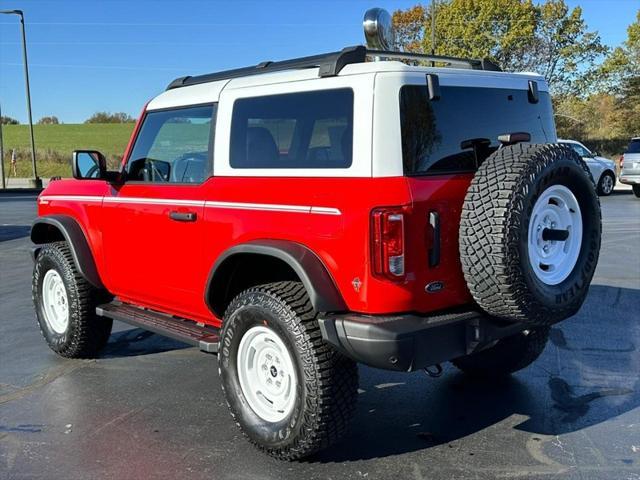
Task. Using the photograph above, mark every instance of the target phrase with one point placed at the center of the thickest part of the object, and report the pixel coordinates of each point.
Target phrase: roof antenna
(378, 30)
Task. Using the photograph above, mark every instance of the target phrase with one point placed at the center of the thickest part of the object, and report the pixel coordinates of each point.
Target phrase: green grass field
(54, 144)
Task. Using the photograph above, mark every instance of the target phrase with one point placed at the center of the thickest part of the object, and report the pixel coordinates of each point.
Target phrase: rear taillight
(621, 161)
(387, 242)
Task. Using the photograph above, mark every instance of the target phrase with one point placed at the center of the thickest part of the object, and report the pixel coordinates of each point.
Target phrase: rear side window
(460, 130)
(173, 146)
(634, 146)
(294, 130)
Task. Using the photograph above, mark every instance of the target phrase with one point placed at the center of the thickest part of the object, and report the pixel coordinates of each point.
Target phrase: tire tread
(331, 378)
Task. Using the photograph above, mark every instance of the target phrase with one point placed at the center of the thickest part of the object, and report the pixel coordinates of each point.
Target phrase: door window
(174, 146)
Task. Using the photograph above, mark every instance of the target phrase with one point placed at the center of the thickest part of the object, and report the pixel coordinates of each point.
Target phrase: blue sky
(93, 55)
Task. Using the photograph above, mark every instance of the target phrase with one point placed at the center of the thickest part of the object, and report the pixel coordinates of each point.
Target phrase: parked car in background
(602, 169)
(630, 166)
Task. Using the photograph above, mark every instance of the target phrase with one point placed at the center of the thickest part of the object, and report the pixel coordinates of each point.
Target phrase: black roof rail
(330, 64)
(475, 64)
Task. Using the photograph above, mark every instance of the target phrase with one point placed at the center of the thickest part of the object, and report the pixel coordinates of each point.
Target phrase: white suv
(630, 166)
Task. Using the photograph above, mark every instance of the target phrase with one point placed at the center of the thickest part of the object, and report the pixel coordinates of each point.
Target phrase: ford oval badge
(434, 287)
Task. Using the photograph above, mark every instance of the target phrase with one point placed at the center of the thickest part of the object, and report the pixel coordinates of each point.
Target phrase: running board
(206, 338)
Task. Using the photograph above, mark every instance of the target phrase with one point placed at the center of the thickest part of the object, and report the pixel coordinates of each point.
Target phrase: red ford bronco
(299, 217)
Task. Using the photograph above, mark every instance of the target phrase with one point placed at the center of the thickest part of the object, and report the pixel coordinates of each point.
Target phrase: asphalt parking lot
(152, 408)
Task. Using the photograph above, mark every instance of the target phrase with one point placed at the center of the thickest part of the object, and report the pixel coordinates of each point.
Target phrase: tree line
(595, 88)
(98, 117)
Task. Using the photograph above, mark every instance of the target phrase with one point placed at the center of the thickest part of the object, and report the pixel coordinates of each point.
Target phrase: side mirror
(595, 154)
(89, 164)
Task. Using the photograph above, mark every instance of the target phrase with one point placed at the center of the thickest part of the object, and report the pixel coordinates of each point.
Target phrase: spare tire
(530, 233)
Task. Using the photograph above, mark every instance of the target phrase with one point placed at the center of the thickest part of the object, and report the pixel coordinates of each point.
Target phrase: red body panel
(148, 259)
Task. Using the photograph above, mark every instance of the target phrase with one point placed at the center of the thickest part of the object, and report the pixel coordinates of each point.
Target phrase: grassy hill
(54, 144)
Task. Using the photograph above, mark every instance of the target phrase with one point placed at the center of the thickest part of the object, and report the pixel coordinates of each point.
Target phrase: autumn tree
(517, 34)
(610, 109)
(621, 70)
(409, 26)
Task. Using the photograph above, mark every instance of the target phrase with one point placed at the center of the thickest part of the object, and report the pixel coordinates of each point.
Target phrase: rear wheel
(289, 392)
(508, 355)
(606, 183)
(65, 305)
(530, 234)
(636, 190)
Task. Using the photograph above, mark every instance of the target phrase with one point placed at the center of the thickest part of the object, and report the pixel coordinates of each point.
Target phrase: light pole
(433, 27)
(2, 154)
(35, 182)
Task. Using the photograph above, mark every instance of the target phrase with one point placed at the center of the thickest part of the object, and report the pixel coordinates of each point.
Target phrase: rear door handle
(183, 216)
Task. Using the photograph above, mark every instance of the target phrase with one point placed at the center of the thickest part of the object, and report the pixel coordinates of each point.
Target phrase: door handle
(183, 216)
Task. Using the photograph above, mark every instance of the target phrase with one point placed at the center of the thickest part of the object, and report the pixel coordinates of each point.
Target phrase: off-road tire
(507, 356)
(494, 233)
(86, 333)
(325, 399)
(636, 190)
(601, 191)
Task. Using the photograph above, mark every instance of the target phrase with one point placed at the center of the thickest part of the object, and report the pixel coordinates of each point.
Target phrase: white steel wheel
(55, 304)
(267, 374)
(555, 235)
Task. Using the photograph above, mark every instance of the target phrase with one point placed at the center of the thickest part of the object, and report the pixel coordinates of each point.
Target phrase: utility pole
(433, 27)
(35, 182)
(4, 185)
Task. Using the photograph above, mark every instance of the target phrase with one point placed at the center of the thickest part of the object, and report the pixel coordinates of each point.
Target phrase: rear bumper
(630, 179)
(411, 342)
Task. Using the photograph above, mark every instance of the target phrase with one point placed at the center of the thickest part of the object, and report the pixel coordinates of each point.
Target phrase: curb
(25, 191)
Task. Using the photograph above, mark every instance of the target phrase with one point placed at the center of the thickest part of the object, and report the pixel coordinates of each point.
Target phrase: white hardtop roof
(210, 91)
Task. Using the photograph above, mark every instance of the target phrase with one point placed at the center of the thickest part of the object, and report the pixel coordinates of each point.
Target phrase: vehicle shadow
(137, 342)
(622, 192)
(588, 374)
(11, 232)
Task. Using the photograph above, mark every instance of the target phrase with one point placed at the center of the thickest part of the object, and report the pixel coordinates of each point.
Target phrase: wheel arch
(271, 260)
(55, 228)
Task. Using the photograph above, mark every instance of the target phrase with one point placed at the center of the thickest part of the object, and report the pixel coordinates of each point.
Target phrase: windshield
(634, 146)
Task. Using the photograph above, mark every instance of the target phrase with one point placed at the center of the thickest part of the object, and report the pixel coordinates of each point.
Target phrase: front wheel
(289, 392)
(636, 190)
(65, 305)
(507, 356)
(606, 183)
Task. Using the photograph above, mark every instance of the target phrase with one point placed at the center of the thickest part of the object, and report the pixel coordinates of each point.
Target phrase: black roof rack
(330, 64)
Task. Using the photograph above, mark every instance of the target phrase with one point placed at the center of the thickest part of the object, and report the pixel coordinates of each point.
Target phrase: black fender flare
(75, 238)
(322, 290)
